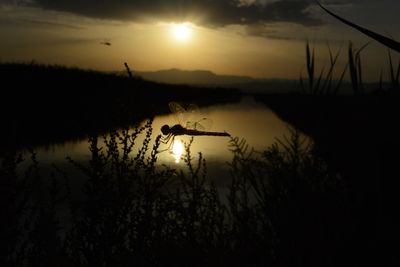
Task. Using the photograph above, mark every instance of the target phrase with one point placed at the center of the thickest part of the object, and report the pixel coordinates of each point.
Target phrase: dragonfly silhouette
(192, 128)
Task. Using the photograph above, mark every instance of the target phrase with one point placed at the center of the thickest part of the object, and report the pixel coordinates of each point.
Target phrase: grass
(283, 203)
(358, 137)
(394, 73)
(355, 68)
(388, 42)
(322, 83)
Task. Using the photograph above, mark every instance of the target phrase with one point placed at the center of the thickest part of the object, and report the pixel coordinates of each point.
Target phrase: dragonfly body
(196, 128)
(178, 129)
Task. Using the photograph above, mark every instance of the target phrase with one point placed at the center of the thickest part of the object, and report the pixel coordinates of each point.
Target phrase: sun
(177, 150)
(182, 31)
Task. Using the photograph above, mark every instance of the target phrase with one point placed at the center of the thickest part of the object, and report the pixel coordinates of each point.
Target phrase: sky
(257, 38)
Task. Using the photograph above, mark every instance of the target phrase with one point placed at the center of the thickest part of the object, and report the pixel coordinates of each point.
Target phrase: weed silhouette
(282, 204)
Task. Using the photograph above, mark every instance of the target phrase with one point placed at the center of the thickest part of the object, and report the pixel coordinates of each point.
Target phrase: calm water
(247, 119)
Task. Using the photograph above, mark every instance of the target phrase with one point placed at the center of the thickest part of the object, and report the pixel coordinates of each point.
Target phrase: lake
(247, 119)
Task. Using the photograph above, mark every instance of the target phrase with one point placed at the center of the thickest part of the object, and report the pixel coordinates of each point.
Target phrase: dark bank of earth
(359, 136)
(49, 104)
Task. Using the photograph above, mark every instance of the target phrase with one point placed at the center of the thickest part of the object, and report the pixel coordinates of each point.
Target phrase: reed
(354, 56)
(388, 42)
(394, 73)
(355, 67)
(324, 83)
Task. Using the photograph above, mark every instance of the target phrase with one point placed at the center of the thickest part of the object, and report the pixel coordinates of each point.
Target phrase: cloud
(213, 13)
(271, 32)
(49, 24)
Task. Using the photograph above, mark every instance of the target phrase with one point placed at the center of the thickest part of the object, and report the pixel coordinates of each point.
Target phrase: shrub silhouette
(282, 204)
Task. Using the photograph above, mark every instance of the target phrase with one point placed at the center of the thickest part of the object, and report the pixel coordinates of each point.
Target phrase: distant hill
(205, 78)
(210, 79)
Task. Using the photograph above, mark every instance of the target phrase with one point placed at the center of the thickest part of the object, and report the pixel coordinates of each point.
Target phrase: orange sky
(271, 50)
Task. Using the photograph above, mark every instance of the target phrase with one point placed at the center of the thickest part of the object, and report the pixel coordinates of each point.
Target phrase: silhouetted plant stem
(134, 211)
(128, 70)
(388, 42)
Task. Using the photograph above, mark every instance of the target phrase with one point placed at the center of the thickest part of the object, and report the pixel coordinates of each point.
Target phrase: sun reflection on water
(177, 150)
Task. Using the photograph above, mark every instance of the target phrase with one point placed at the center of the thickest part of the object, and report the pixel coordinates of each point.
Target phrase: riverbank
(358, 136)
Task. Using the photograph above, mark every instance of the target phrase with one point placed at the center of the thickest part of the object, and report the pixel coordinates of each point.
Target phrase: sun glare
(177, 150)
(182, 32)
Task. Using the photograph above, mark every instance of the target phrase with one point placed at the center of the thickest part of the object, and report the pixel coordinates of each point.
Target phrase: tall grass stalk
(310, 66)
(355, 68)
(394, 73)
(324, 83)
(388, 42)
(128, 70)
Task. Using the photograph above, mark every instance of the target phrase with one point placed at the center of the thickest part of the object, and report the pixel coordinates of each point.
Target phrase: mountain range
(209, 79)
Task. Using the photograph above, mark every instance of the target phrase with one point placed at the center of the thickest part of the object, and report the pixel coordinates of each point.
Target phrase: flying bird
(106, 43)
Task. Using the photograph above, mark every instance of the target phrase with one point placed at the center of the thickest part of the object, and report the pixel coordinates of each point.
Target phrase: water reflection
(177, 150)
(248, 119)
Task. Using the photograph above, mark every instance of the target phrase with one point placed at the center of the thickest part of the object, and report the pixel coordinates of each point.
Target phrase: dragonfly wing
(192, 114)
(193, 108)
(178, 111)
(206, 123)
(189, 117)
(203, 124)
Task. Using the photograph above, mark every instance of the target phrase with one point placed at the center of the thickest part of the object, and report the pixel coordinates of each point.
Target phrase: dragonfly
(191, 128)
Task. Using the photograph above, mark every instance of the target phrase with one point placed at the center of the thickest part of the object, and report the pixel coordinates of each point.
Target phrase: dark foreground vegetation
(284, 207)
(328, 203)
(358, 137)
(43, 104)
